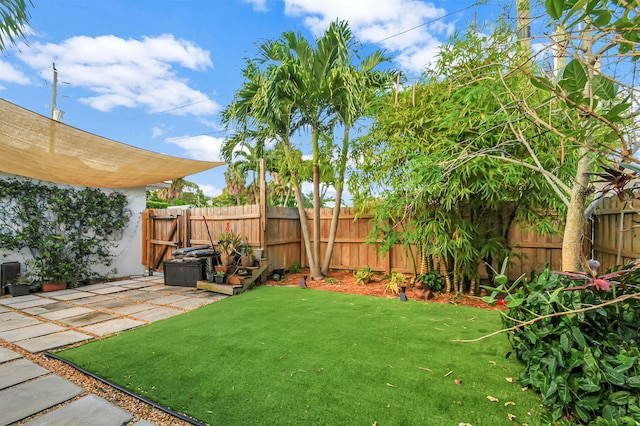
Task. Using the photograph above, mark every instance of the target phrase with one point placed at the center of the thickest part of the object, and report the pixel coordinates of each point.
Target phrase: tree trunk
(315, 269)
(336, 207)
(574, 226)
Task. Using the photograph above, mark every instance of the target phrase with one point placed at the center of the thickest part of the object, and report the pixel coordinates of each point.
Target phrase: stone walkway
(45, 321)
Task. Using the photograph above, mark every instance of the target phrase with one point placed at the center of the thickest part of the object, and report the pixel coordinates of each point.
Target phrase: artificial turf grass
(279, 355)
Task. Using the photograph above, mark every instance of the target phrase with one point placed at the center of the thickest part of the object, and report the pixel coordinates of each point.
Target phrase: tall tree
(296, 91)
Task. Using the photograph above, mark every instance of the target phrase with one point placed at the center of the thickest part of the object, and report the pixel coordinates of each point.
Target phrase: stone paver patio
(44, 321)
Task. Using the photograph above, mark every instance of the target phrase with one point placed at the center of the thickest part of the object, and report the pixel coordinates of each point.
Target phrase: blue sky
(156, 73)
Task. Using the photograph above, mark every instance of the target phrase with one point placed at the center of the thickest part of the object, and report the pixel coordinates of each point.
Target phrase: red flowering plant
(591, 277)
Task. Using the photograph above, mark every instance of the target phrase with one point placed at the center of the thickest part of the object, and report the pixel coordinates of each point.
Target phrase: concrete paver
(13, 323)
(109, 304)
(137, 284)
(93, 299)
(43, 309)
(168, 300)
(8, 355)
(92, 287)
(66, 313)
(109, 290)
(140, 295)
(19, 371)
(132, 309)
(75, 295)
(87, 319)
(112, 326)
(88, 410)
(51, 341)
(157, 314)
(192, 303)
(30, 331)
(39, 301)
(27, 399)
(13, 300)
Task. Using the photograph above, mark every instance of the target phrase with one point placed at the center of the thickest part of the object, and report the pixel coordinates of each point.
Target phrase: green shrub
(579, 344)
(363, 275)
(295, 267)
(396, 280)
(431, 279)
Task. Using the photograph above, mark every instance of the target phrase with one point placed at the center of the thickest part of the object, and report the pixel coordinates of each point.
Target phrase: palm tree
(235, 177)
(14, 18)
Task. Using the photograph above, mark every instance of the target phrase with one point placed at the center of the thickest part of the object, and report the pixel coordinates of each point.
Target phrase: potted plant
(363, 275)
(209, 269)
(219, 277)
(428, 283)
(20, 285)
(246, 259)
(229, 244)
(54, 268)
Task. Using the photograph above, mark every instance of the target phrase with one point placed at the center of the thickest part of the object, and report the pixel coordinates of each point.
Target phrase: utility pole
(55, 92)
(56, 114)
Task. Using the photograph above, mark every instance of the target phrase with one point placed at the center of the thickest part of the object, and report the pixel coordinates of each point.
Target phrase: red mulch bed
(346, 283)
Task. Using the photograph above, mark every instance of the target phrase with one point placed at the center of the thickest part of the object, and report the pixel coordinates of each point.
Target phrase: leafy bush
(432, 280)
(65, 229)
(363, 275)
(396, 280)
(579, 344)
(295, 267)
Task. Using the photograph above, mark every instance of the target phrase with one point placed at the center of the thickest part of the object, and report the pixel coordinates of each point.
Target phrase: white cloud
(205, 148)
(258, 5)
(11, 74)
(210, 190)
(157, 131)
(403, 27)
(126, 72)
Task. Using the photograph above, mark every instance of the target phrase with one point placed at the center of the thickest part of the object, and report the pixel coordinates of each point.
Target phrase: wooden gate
(167, 232)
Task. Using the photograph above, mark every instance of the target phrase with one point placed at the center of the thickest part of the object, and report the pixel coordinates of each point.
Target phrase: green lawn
(291, 356)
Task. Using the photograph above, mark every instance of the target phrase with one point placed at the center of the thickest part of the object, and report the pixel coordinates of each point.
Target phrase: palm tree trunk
(336, 207)
(314, 268)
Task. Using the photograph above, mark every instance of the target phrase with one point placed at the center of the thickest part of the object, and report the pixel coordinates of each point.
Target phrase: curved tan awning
(38, 147)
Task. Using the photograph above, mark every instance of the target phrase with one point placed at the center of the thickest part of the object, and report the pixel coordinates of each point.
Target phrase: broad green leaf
(620, 397)
(578, 336)
(633, 382)
(554, 8)
(603, 88)
(565, 343)
(574, 78)
(602, 17)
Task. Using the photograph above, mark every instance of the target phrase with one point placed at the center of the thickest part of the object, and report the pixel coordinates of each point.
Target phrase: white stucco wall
(127, 249)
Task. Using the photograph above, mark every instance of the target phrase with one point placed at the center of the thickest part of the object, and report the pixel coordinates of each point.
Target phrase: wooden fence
(615, 233)
(277, 230)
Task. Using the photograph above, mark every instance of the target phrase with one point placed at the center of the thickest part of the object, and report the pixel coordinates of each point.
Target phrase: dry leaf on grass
(509, 403)
(492, 398)
(509, 379)
(511, 417)
(458, 382)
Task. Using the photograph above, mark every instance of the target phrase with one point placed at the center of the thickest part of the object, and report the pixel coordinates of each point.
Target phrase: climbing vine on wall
(66, 230)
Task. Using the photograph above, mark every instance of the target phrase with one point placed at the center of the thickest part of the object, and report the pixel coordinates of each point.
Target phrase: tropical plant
(299, 87)
(396, 281)
(432, 280)
(14, 18)
(578, 343)
(363, 275)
